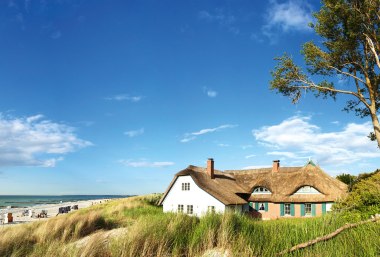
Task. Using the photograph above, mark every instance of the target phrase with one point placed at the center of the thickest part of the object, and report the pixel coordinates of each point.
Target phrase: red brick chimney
(276, 166)
(210, 168)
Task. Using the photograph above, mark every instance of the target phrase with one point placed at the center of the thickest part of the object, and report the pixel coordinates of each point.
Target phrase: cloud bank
(35, 141)
(297, 138)
(288, 16)
(134, 133)
(124, 97)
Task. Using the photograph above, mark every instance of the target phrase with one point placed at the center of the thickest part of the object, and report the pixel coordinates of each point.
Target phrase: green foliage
(350, 47)
(347, 179)
(364, 200)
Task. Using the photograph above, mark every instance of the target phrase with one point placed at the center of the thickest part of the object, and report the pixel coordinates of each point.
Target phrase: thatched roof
(287, 181)
(236, 186)
(223, 187)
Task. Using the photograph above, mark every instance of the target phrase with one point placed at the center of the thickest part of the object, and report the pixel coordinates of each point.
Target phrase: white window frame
(307, 190)
(180, 208)
(211, 209)
(186, 186)
(307, 205)
(262, 207)
(261, 190)
(189, 209)
(287, 209)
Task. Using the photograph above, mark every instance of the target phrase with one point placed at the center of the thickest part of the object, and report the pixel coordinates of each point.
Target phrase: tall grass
(145, 231)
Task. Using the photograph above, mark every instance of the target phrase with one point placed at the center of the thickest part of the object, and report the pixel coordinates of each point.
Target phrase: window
(261, 190)
(189, 209)
(261, 207)
(287, 209)
(308, 209)
(307, 190)
(180, 208)
(211, 209)
(185, 186)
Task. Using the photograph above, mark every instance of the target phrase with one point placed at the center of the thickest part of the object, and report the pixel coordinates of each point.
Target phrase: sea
(21, 201)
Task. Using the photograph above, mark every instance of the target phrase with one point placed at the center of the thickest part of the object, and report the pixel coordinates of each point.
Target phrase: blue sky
(114, 97)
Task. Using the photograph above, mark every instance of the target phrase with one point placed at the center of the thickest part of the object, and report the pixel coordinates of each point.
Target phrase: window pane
(308, 208)
(287, 209)
(189, 209)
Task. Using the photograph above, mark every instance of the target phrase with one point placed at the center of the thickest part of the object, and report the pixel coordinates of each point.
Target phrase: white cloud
(145, 164)
(134, 133)
(291, 15)
(56, 34)
(223, 145)
(224, 20)
(124, 97)
(209, 92)
(193, 135)
(297, 137)
(250, 156)
(244, 147)
(290, 155)
(212, 93)
(34, 141)
(187, 139)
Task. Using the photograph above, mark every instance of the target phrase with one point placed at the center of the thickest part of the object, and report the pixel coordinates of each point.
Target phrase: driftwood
(328, 236)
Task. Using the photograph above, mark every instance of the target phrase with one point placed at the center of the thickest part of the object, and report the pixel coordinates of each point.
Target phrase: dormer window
(307, 190)
(261, 190)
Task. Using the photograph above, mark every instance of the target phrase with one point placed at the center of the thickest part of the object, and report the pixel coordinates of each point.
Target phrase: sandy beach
(52, 211)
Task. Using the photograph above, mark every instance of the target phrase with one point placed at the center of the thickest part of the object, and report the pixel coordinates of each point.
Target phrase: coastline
(52, 210)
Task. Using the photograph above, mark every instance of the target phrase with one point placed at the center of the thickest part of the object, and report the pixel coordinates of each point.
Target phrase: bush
(364, 200)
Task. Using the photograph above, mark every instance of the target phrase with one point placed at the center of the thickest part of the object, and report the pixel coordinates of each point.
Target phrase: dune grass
(149, 232)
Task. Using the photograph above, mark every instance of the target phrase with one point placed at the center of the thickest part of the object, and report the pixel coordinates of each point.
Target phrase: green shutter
(257, 206)
(251, 204)
(266, 206)
(292, 209)
(313, 211)
(323, 208)
(282, 210)
(302, 209)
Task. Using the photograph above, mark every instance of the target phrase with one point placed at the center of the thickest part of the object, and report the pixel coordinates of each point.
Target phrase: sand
(52, 211)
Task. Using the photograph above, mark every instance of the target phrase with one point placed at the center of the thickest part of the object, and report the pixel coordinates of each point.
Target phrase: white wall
(195, 196)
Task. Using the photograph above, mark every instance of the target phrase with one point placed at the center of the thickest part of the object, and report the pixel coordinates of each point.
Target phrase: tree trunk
(376, 125)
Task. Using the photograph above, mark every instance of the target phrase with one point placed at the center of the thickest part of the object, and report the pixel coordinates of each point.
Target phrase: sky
(115, 97)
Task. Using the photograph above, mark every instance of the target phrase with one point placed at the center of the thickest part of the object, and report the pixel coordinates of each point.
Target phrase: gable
(185, 190)
(223, 187)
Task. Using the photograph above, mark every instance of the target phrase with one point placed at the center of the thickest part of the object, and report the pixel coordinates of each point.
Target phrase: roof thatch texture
(287, 181)
(235, 186)
(223, 187)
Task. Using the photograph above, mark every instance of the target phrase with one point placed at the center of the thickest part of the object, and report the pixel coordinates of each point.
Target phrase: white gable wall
(196, 196)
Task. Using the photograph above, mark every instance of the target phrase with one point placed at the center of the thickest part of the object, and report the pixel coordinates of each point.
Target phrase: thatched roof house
(273, 188)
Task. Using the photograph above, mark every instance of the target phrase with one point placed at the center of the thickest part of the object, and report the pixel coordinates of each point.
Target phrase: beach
(51, 209)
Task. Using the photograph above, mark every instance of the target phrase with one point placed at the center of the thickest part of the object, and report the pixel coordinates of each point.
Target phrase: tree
(348, 179)
(350, 48)
(364, 198)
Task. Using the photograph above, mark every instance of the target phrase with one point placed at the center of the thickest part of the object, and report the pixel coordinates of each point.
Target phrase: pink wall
(274, 211)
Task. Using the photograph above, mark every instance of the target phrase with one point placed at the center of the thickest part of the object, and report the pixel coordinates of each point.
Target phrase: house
(265, 193)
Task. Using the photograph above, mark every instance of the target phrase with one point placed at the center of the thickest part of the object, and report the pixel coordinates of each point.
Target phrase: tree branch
(347, 74)
(327, 237)
(373, 50)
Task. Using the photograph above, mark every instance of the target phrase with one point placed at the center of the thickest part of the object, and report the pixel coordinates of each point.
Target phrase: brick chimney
(210, 168)
(276, 166)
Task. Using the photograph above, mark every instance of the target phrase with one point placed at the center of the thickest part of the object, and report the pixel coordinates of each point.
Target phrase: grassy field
(136, 227)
